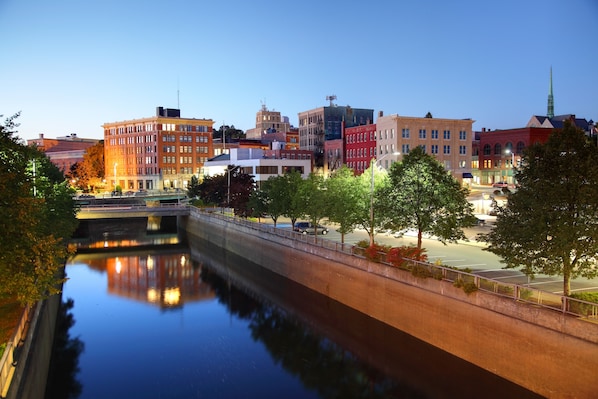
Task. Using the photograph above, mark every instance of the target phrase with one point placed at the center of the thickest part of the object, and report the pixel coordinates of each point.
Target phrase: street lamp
(508, 151)
(115, 165)
(374, 161)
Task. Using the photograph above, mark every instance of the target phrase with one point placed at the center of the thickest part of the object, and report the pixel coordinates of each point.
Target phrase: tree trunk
(419, 239)
(566, 278)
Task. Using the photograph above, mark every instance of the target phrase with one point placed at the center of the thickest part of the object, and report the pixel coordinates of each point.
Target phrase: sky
(69, 66)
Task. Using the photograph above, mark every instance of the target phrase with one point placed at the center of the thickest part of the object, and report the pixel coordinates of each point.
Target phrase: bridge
(119, 211)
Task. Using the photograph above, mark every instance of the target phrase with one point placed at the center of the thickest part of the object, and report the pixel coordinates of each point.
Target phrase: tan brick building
(162, 151)
(448, 140)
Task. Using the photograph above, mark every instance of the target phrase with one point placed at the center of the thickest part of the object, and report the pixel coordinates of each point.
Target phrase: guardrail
(9, 358)
(118, 207)
(470, 281)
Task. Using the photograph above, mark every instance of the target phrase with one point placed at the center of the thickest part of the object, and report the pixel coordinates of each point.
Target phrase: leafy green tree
(295, 207)
(193, 189)
(37, 216)
(423, 196)
(275, 195)
(314, 198)
(550, 224)
(369, 198)
(342, 192)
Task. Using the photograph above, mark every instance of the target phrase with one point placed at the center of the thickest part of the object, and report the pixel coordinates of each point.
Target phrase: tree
(89, 173)
(275, 196)
(240, 189)
(193, 189)
(342, 192)
(229, 133)
(423, 196)
(550, 224)
(295, 208)
(37, 216)
(368, 197)
(314, 198)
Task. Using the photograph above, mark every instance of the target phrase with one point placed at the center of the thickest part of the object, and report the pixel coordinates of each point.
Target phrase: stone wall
(542, 350)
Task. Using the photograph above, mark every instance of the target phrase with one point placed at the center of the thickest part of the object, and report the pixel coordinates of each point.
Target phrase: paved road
(466, 255)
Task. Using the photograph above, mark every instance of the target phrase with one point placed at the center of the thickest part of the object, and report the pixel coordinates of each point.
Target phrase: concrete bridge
(120, 211)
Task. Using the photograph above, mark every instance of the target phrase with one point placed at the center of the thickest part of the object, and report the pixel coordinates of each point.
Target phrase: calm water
(162, 323)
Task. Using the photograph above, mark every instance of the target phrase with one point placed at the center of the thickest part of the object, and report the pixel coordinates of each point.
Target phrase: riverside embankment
(546, 351)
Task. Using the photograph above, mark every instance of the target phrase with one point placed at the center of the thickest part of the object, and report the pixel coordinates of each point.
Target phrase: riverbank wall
(32, 363)
(546, 351)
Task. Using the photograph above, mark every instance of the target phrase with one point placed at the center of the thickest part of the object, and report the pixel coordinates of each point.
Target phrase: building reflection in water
(167, 280)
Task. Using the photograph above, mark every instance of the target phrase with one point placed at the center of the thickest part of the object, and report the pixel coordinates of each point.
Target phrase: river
(158, 322)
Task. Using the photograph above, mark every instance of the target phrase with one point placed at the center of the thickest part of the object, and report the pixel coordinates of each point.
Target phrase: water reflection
(282, 339)
(166, 278)
(62, 378)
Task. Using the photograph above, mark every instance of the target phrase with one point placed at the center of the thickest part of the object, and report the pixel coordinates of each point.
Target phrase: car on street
(309, 228)
(500, 184)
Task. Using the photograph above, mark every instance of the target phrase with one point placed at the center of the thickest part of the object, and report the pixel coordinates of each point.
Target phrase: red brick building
(360, 147)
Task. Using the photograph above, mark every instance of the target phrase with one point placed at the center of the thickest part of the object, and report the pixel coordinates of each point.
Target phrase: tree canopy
(421, 195)
(550, 224)
(89, 173)
(37, 217)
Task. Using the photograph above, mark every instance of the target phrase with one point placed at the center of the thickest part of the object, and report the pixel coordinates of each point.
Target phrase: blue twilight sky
(72, 65)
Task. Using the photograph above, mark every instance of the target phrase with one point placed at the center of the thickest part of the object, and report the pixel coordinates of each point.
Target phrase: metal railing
(469, 281)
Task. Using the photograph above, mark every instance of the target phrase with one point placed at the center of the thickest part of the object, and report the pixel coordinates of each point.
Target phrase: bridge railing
(469, 281)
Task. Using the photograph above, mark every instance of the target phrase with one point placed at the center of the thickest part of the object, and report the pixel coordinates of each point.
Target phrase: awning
(467, 175)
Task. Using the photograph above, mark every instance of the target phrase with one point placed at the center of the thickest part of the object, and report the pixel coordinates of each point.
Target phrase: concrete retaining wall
(31, 371)
(542, 350)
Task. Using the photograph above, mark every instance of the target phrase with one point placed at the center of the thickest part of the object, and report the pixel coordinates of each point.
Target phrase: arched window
(487, 149)
(520, 147)
(497, 149)
(509, 148)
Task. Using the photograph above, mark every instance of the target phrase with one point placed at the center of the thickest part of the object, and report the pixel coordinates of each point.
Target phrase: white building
(259, 163)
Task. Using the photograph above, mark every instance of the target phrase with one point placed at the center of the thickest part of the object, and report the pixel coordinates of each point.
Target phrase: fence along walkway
(469, 281)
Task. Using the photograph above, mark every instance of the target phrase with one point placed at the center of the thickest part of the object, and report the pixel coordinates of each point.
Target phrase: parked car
(309, 228)
(500, 184)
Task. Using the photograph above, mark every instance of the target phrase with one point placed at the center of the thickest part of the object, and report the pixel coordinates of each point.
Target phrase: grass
(10, 314)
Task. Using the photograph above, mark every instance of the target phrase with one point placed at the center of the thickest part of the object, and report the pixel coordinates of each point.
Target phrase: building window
(434, 134)
(447, 134)
(462, 150)
(462, 135)
(434, 148)
(487, 149)
(422, 133)
(405, 133)
(497, 149)
(405, 149)
(446, 149)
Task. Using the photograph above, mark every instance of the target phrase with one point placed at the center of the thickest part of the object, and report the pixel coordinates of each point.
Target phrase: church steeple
(550, 112)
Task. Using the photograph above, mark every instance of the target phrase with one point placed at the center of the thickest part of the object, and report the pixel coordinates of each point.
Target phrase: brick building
(64, 152)
(161, 151)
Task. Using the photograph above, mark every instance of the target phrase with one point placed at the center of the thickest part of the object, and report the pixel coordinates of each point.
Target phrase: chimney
(41, 135)
(380, 114)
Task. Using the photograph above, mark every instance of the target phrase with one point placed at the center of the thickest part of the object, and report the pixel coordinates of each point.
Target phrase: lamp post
(115, 181)
(374, 161)
(508, 151)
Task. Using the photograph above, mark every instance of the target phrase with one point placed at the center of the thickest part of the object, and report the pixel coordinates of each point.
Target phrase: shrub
(376, 251)
(583, 309)
(421, 271)
(400, 256)
(468, 287)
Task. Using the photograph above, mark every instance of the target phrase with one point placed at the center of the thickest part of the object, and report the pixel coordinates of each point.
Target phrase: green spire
(550, 112)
